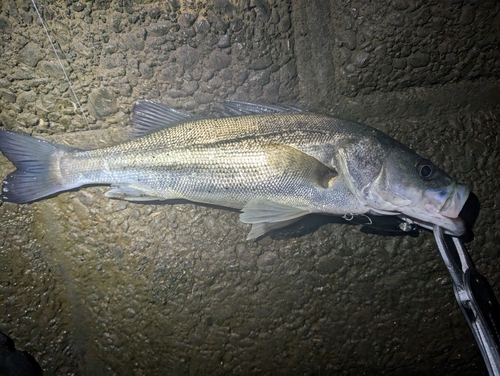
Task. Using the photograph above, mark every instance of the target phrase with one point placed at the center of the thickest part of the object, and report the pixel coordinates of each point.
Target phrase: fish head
(399, 181)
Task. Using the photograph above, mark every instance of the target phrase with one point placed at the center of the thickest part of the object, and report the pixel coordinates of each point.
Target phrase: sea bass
(275, 163)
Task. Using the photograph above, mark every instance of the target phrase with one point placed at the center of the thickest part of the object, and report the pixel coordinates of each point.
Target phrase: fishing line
(60, 63)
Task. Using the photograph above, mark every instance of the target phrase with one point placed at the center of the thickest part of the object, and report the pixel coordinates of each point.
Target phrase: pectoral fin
(303, 168)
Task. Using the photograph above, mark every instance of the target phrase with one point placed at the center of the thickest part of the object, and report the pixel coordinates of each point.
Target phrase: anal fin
(131, 193)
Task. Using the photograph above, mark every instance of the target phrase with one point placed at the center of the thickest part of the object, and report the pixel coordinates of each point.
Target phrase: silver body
(228, 162)
(274, 165)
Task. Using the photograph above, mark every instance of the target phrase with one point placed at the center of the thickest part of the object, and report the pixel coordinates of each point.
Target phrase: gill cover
(362, 162)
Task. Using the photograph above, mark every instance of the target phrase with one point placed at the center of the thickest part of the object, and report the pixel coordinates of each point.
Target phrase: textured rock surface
(93, 286)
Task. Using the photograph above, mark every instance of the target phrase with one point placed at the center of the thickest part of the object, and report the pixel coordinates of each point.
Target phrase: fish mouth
(448, 215)
(451, 226)
(455, 201)
(445, 202)
(469, 214)
(442, 207)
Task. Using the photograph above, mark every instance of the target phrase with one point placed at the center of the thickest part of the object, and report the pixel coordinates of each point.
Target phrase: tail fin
(34, 177)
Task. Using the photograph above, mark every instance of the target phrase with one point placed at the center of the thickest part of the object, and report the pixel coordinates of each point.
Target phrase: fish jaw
(455, 201)
(426, 207)
(442, 208)
(451, 226)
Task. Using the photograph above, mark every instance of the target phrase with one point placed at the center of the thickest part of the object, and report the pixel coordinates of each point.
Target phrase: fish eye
(425, 168)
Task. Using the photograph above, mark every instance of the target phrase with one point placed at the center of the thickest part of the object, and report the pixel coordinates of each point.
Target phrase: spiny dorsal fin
(237, 108)
(150, 116)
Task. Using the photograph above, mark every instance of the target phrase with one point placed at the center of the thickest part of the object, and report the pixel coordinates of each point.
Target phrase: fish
(274, 163)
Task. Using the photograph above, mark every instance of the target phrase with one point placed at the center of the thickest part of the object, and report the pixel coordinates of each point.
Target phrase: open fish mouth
(455, 201)
(451, 226)
(443, 208)
(445, 202)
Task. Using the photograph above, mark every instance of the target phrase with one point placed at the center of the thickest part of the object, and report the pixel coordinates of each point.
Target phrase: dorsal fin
(150, 116)
(237, 108)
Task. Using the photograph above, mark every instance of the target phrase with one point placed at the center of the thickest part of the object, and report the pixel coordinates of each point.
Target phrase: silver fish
(275, 163)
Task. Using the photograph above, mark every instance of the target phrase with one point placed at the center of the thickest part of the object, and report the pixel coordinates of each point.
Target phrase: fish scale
(304, 131)
(275, 163)
(202, 173)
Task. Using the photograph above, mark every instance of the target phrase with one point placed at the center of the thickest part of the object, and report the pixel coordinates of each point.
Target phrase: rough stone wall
(95, 286)
(190, 54)
(413, 43)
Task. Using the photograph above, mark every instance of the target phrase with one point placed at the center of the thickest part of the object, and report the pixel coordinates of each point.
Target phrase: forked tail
(35, 176)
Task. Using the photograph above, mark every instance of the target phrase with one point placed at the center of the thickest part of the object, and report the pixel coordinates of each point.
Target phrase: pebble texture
(104, 287)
